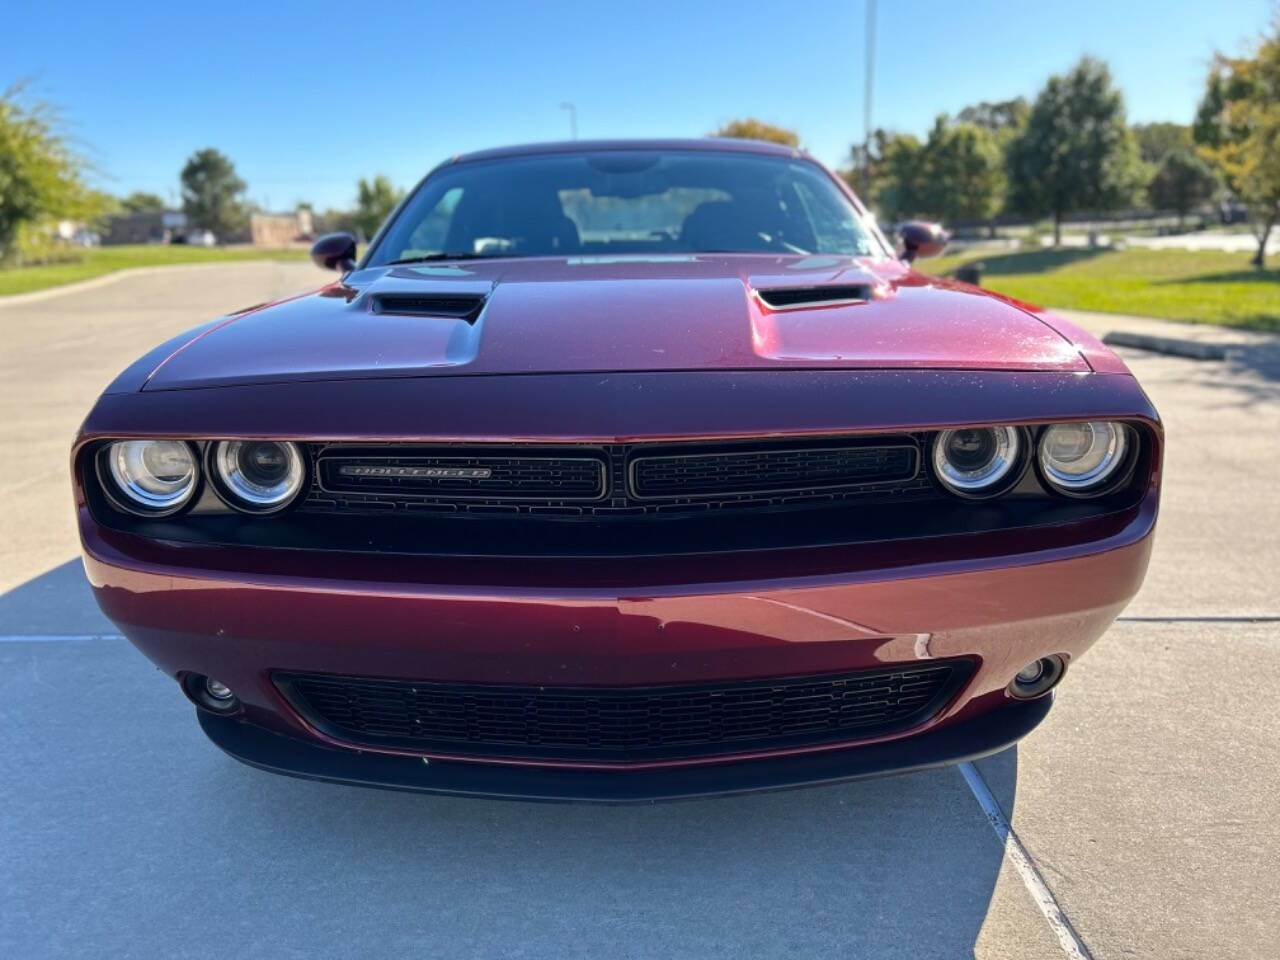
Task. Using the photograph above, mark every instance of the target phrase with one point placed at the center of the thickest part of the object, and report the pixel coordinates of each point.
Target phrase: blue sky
(306, 99)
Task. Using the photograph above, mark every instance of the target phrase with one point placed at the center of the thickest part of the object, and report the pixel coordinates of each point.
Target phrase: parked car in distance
(620, 471)
(200, 238)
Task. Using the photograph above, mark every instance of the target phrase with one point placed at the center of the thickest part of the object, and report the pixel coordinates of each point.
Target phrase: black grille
(769, 470)
(616, 480)
(623, 724)
(480, 474)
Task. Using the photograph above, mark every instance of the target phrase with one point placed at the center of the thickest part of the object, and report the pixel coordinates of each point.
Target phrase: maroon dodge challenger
(620, 471)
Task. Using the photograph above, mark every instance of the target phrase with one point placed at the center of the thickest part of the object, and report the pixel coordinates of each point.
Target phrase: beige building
(280, 229)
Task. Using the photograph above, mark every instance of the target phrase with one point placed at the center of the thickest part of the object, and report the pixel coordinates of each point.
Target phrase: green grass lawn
(1198, 286)
(95, 261)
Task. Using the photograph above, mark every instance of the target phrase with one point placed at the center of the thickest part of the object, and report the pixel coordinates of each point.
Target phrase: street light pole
(866, 101)
(573, 119)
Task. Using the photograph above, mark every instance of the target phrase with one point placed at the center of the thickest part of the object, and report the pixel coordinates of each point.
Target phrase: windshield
(626, 202)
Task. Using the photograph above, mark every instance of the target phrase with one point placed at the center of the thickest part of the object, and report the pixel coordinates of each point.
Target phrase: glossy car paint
(607, 314)
(1007, 600)
(622, 350)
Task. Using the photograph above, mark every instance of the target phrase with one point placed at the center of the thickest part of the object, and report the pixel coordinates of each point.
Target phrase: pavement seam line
(57, 637)
(1068, 939)
(1244, 618)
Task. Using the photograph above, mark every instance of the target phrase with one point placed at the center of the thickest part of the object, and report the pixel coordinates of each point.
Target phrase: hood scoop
(548, 316)
(458, 306)
(798, 298)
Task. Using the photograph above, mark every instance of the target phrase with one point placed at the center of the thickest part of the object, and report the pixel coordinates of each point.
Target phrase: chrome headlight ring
(149, 477)
(977, 463)
(256, 476)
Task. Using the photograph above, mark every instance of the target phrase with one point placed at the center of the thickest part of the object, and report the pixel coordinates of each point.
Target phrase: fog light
(1027, 675)
(220, 691)
(210, 694)
(1037, 678)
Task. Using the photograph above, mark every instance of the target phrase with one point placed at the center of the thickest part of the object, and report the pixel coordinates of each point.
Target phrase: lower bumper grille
(623, 724)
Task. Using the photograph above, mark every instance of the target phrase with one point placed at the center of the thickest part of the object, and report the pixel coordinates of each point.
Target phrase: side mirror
(334, 251)
(921, 239)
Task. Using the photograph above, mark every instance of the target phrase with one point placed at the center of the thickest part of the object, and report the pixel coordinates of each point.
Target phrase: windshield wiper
(459, 255)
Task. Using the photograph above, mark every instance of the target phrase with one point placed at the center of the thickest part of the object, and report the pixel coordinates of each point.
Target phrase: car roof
(706, 144)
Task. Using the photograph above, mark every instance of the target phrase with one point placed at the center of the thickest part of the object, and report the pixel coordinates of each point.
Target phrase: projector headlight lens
(1081, 457)
(977, 461)
(152, 476)
(258, 476)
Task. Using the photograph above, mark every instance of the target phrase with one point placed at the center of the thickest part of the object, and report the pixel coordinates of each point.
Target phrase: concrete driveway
(1144, 809)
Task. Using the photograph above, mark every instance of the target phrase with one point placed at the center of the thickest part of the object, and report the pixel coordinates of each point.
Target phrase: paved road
(1146, 801)
(1207, 240)
(1108, 234)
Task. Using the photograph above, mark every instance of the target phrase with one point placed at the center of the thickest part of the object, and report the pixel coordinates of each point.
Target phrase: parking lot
(1146, 805)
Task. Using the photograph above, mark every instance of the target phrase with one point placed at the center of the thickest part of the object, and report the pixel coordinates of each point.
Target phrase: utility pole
(573, 119)
(866, 101)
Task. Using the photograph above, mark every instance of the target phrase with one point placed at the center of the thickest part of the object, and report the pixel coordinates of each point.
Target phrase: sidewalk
(1245, 350)
(1100, 324)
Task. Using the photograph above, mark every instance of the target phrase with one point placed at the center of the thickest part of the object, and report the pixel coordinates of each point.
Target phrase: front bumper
(998, 597)
(381, 617)
(957, 742)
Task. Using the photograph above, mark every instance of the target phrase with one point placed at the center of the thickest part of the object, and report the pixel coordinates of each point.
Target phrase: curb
(1170, 346)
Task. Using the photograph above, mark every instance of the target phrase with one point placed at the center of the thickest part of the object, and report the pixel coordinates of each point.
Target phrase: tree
(866, 165)
(212, 194)
(999, 117)
(900, 186)
(1076, 152)
(962, 175)
(1238, 129)
(375, 199)
(1157, 140)
(333, 220)
(956, 174)
(1207, 129)
(142, 202)
(41, 176)
(1182, 182)
(753, 129)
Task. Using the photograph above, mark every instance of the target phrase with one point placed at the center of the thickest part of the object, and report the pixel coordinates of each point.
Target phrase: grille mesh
(620, 480)
(619, 724)
(769, 471)
(447, 475)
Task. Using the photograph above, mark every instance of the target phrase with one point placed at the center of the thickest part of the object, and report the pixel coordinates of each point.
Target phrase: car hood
(613, 314)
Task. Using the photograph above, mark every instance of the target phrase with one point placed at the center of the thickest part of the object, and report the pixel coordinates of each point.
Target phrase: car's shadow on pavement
(123, 828)
(58, 602)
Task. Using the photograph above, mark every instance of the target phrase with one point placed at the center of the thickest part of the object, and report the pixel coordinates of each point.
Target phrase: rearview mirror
(335, 251)
(921, 239)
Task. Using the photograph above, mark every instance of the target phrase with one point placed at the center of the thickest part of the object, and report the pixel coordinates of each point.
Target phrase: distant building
(171, 226)
(280, 229)
(75, 233)
(163, 226)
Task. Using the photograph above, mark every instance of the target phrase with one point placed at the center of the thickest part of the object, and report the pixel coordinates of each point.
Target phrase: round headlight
(152, 476)
(977, 461)
(1080, 457)
(259, 476)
